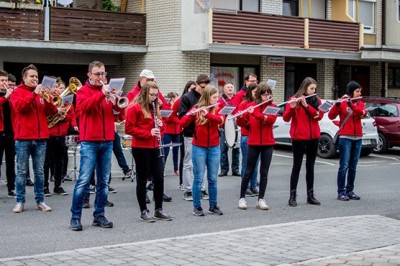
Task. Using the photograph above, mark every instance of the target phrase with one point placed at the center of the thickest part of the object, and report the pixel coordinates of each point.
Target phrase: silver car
(326, 147)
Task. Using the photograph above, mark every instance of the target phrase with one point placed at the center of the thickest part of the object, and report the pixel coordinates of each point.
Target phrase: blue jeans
(24, 149)
(93, 154)
(349, 154)
(224, 155)
(243, 147)
(174, 138)
(202, 158)
(119, 154)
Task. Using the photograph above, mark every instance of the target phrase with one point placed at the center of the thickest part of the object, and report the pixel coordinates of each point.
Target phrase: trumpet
(247, 109)
(199, 109)
(120, 101)
(54, 119)
(160, 145)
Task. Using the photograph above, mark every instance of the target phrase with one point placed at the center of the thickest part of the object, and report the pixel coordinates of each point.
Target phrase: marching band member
(29, 111)
(206, 152)
(143, 123)
(260, 143)
(350, 139)
(242, 122)
(95, 111)
(305, 132)
(56, 145)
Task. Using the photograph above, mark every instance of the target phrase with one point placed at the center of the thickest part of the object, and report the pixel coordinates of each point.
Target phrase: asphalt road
(35, 232)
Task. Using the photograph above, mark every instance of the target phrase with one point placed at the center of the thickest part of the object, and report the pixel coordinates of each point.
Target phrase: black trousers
(252, 156)
(54, 157)
(7, 144)
(149, 164)
(309, 147)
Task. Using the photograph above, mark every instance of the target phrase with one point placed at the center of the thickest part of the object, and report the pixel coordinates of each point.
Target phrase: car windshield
(383, 109)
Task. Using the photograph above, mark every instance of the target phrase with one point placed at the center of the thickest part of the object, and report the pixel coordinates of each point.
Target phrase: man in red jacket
(96, 133)
(29, 111)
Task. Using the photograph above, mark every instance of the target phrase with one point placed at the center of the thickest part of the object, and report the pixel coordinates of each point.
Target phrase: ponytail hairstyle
(143, 99)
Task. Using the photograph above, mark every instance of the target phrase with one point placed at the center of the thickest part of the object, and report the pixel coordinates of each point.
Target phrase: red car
(386, 112)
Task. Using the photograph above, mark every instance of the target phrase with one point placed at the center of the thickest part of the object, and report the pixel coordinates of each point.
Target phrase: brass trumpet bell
(74, 85)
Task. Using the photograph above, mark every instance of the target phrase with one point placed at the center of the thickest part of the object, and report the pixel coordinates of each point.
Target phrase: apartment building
(284, 40)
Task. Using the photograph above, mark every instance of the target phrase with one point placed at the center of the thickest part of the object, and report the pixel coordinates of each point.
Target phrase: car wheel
(326, 148)
(381, 147)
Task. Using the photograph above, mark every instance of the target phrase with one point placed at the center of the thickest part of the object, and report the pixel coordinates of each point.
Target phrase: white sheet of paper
(165, 113)
(227, 110)
(325, 106)
(271, 83)
(48, 82)
(68, 99)
(271, 110)
(116, 83)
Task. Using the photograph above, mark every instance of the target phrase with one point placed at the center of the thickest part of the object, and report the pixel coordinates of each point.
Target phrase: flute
(298, 99)
(160, 144)
(345, 99)
(247, 109)
(199, 109)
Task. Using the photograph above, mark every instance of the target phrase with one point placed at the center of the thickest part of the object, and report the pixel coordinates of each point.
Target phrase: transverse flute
(199, 109)
(247, 109)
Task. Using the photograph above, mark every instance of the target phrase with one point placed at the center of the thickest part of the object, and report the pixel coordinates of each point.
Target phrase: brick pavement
(354, 240)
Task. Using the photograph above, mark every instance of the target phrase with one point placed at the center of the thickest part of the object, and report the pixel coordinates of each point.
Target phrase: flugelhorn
(120, 101)
(74, 85)
(247, 109)
(199, 109)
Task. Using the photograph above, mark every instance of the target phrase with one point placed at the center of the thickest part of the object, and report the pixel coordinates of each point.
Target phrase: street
(34, 232)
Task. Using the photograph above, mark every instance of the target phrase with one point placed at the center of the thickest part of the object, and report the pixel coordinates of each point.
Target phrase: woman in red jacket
(205, 150)
(143, 123)
(260, 143)
(350, 139)
(304, 130)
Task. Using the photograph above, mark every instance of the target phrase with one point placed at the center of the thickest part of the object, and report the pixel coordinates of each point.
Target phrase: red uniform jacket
(206, 135)
(171, 123)
(303, 125)
(29, 113)
(353, 126)
(140, 127)
(95, 114)
(61, 128)
(242, 121)
(260, 132)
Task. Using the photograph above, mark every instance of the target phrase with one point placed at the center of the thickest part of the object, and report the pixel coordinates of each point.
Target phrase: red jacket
(260, 132)
(171, 123)
(140, 127)
(29, 113)
(303, 125)
(2, 101)
(206, 135)
(61, 128)
(353, 126)
(242, 121)
(136, 90)
(95, 114)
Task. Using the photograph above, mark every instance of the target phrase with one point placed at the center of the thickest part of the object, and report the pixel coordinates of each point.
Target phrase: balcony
(283, 31)
(74, 25)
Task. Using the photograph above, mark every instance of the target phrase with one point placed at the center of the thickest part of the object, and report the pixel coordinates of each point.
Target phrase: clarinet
(160, 144)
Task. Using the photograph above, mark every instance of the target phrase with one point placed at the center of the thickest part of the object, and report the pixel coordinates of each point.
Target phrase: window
(290, 8)
(317, 9)
(366, 13)
(244, 5)
(394, 77)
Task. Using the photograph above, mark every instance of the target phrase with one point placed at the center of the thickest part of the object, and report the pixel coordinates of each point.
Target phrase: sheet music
(48, 82)
(68, 99)
(325, 106)
(116, 83)
(271, 110)
(227, 110)
(271, 83)
(165, 113)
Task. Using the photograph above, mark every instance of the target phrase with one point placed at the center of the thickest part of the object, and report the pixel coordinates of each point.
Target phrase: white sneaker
(242, 204)
(262, 205)
(43, 207)
(18, 208)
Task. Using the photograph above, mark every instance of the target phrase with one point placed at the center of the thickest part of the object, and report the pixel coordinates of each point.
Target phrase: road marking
(317, 161)
(384, 157)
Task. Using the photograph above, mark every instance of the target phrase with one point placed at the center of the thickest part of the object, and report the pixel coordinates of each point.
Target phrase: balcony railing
(284, 31)
(70, 24)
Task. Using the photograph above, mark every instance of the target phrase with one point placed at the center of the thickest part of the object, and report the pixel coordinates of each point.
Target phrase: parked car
(387, 118)
(326, 147)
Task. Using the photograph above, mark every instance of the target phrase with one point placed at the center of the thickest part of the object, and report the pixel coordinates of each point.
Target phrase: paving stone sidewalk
(355, 240)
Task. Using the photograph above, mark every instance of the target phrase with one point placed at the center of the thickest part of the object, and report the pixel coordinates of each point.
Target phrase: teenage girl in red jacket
(304, 131)
(144, 126)
(260, 143)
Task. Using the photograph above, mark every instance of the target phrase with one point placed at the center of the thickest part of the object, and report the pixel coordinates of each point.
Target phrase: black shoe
(29, 183)
(188, 196)
(236, 174)
(223, 174)
(60, 191)
(162, 215)
(150, 186)
(75, 225)
(109, 204)
(204, 195)
(111, 190)
(147, 199)
(46, 192)
(198, 211)
(353, 196)
(67, 178)
(102, 222)
(216, 210)
(86, 204)
(11, 194)
(255, 191)
(249, 193)
(311, 199)
(292, 199)
(145, 216)
(166, 198)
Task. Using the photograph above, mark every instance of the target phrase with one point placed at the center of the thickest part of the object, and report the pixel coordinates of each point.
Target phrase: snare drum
(126, 141)
(72, 140)
(231, 133)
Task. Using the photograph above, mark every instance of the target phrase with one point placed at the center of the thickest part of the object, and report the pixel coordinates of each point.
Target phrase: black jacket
(188, 100)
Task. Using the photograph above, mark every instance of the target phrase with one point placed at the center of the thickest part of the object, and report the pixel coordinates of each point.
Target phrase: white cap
(147, 74)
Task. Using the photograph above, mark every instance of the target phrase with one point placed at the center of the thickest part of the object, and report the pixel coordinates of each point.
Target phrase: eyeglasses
(153, 94)
(253, 80)
(98, 74)
(265, 94)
